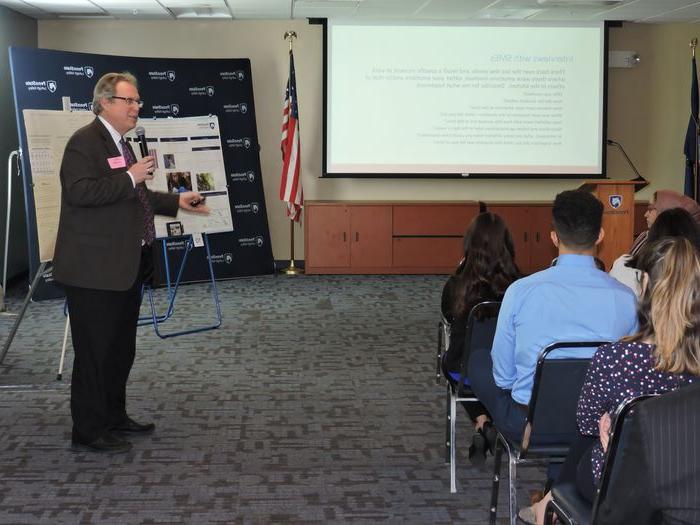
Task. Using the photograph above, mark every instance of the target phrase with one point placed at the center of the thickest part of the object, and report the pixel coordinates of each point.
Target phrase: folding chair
(566, 501)
(481, 327)
(550, 426)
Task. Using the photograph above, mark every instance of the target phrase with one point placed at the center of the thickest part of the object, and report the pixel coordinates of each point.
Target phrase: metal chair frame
(460, 392)
(623, 411)
(520, 454)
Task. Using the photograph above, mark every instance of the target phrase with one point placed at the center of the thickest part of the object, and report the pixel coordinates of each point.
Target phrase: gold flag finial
(693, 45)
(290, 35)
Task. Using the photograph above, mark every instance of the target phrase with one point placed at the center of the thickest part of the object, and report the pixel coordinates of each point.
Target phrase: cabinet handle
(357, 236)
(345, 237)
(525, 236)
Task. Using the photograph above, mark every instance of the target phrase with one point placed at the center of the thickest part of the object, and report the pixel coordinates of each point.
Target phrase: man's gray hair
(107, 87)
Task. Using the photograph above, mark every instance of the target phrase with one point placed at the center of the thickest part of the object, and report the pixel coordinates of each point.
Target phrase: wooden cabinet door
(370, 236)
(328, 234)
(518, 221)
(542, 249)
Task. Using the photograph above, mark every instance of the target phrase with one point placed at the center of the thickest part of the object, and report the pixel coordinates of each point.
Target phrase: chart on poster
(188, 157)
(47, 135)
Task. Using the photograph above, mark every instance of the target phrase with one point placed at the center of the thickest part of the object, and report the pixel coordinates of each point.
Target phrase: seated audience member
(657, 482)
(664, 355)
(571, 301)
(661, 201)
(487, 269)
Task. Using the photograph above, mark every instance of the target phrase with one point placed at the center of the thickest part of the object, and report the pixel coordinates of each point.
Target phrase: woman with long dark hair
(487, 269)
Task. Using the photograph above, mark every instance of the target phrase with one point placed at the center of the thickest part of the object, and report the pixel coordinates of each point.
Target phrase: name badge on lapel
(116, 162)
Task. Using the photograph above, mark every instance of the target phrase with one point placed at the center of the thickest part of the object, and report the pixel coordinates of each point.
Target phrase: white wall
(648, 106)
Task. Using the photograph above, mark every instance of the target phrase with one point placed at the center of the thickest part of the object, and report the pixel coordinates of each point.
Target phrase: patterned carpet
(315, 402)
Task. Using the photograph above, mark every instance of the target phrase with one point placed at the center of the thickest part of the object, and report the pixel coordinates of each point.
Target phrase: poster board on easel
(188, 158)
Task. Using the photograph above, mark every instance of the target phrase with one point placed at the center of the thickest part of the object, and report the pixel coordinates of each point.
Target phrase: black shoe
(129, 426)
(106, 443)
(490, 436)
(477, 450)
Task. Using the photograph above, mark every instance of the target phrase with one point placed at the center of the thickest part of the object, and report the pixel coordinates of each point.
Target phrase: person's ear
(601, 236)
(555, 239)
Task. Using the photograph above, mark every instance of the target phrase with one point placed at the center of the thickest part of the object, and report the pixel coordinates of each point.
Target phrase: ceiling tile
(324, 9)
(68, 8)
(449, 9)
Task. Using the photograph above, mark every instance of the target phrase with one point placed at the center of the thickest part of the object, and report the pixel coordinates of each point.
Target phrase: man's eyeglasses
(130, 101)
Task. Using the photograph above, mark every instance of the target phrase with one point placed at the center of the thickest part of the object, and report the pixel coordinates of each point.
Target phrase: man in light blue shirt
(571, 301)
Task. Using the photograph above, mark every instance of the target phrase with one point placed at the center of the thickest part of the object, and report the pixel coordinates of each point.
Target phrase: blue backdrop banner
(170, 88)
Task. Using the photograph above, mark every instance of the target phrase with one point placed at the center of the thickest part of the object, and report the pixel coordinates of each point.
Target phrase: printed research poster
(188, 157)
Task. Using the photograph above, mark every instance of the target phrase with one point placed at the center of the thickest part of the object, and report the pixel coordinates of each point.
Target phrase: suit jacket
(100, 229)
(657, 481)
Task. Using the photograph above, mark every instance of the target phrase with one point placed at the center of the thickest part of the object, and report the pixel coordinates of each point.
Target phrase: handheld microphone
(143, 146)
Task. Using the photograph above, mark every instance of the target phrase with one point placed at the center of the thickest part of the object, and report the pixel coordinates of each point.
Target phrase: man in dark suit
(657, 479)
(102, 257)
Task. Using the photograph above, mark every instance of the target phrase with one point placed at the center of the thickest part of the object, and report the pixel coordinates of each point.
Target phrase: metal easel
(172, 289)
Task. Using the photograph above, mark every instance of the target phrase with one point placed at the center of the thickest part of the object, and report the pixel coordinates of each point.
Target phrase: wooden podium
(617, 197)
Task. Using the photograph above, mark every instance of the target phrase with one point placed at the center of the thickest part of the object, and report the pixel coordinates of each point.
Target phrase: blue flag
(691, 137)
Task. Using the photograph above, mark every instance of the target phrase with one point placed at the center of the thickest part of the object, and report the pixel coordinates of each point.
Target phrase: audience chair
(550, 427)
(481, 327)
(566, 502)
(443, 343)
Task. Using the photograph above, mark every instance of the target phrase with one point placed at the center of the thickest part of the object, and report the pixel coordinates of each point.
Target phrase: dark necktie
(149, 229)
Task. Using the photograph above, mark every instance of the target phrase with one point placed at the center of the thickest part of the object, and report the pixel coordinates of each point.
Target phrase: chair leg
(453, 443)
(512, 488)
(549, 514)
(447, 426)
(497, 457)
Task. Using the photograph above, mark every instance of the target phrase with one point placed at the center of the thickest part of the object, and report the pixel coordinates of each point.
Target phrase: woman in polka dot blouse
(664, 355)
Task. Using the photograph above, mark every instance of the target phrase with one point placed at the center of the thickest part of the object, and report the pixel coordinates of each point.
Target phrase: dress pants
(507, 415)
(103, 328)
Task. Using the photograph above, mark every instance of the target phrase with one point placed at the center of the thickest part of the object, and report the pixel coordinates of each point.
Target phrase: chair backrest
(480, 331)
(551, 416)
(618, 440)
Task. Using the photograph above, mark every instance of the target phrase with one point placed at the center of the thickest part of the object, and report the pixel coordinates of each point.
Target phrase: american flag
(290, 187)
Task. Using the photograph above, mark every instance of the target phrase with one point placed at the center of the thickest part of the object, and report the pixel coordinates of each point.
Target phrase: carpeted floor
(315, 402)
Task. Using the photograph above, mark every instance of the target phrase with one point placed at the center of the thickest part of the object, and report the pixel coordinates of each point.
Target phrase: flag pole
(292, 269)
(696, 157)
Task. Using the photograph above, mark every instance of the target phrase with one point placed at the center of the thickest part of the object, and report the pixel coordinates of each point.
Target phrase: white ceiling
(625, 10)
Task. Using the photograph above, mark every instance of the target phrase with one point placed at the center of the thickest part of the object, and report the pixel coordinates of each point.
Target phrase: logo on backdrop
(241, 108)
(162, 75)
(615, 201)
(251, 207)
(242, 176)
(232, 75)
(41, 85)
(166, 109)
(256, 241)
(79, 71)
(221, 258)
(199, 91)
(244, 143)
(81, 106)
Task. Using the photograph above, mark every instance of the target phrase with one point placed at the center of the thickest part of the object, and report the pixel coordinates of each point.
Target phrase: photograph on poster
(189, 149)
(179, 181)
(205, 182)
(174, 229)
